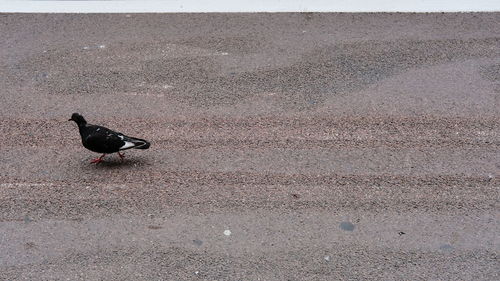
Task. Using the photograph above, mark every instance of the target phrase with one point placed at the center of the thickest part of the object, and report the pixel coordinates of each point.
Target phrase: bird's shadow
(117, 163)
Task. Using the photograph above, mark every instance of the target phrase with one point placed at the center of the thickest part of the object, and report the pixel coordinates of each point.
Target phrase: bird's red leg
(98, 160)
(122, 155)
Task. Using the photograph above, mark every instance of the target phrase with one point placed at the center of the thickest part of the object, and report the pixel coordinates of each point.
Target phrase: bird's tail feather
(139, 143)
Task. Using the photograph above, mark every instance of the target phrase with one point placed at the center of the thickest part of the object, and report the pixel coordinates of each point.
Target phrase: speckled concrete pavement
(284, 147)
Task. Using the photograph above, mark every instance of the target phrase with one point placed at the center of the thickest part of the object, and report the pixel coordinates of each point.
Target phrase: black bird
(103, 140)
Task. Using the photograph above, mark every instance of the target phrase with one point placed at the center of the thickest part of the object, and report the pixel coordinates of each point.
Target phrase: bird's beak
(70, 119)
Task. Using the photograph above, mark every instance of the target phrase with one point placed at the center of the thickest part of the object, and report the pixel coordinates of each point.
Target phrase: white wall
(131, 6)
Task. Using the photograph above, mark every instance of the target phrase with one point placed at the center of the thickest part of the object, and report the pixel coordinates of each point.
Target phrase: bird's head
(78, 119)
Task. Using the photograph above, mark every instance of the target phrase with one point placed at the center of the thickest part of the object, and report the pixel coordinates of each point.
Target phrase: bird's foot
(98, 160)
(122, 155)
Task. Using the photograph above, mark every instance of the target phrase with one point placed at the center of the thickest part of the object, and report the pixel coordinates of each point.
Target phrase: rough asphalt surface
(284, 147)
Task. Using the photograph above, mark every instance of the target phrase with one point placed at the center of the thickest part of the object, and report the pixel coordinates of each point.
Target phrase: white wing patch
(127, 145)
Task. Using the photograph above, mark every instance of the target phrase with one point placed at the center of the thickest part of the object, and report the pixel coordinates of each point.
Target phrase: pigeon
(103, 140)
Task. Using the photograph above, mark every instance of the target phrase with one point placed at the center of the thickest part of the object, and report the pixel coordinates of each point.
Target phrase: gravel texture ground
(296, 146)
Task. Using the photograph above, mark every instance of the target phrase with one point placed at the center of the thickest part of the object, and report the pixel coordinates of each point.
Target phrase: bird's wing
(104, 139)
(128, 142)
